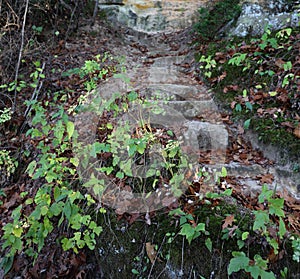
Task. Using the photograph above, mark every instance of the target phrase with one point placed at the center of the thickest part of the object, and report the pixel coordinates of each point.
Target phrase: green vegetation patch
(257, 79)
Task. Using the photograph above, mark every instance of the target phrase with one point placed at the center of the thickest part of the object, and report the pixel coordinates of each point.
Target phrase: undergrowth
(258, 80)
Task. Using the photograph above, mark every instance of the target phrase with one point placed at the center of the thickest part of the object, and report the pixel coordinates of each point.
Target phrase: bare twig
(20, 54)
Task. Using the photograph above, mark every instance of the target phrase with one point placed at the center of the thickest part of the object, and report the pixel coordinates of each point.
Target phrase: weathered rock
(257, 15)
(151, 16)
(177, 92)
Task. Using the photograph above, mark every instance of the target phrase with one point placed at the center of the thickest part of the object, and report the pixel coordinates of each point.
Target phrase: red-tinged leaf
(228, 221)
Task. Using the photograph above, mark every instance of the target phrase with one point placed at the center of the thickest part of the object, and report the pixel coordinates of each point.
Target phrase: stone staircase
(162, 72)
(158, 71)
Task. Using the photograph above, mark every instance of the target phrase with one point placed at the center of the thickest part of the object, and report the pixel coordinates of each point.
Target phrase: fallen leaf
(287, 124)
(228, 221)
(266, 178)
(279, 63)
(297, 132)
(151, 252)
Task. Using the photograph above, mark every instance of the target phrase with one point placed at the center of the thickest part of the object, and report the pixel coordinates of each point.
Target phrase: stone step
(203, 137)
(168, 75)
(168, 61)
(176, 92)
(192, 109)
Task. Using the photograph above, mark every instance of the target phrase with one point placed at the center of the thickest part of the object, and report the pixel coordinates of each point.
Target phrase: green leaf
(245, 235)
(247, 124)
(67, 210)
(208, 244)
(17, 231)
(239, 262)
(188, 231)
(200, 227)
(132, 96)
(7, 263)
(120, 174)
(74, 161)
(134, 271)
(261, 219)
(276, 206)
(282, 228)
(31, 168)
(56, 208)
(249, 106)
(265, 194)
(223, 172)
(70, 129)
(238, 108)
(273, 93)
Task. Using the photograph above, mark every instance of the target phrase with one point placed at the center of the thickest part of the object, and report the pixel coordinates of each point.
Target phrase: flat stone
(177, 92)
(168, 61)
(192, 109)
(166, 75)
(203, 136)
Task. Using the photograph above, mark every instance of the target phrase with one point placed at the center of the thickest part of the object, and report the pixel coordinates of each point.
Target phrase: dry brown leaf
(297, 132)
(228, 221)
(267, 178)
(279, 63)
(295, 207)
(287, 124)
(151, 252)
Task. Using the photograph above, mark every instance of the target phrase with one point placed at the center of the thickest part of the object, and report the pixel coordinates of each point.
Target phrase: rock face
(257, 15)
(153, 16)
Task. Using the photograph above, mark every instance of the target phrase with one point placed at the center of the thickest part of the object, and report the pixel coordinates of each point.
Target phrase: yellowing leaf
(272, 93)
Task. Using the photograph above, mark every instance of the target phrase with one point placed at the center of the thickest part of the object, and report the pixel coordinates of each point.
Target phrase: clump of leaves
(212, 20)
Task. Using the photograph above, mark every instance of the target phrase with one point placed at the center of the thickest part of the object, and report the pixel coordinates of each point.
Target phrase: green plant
(56, 198)
(37, 29)
(265, 227)
(57, 202)
(189, 228)
(5, 115)
(296, 248)
(8, 164)
(207, 63)
(257, 268)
